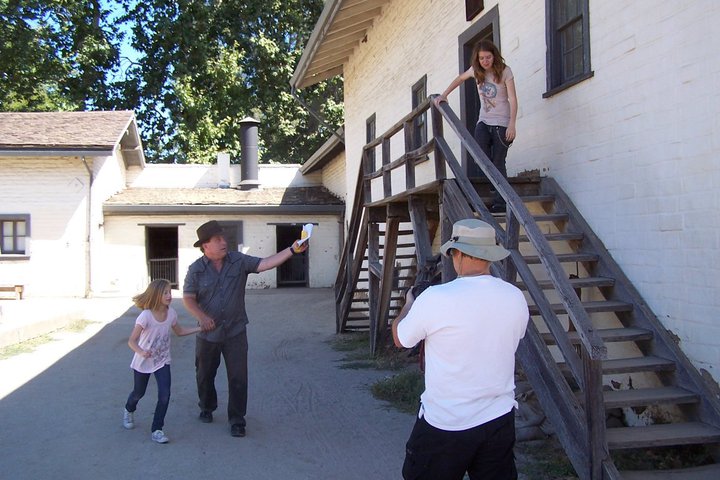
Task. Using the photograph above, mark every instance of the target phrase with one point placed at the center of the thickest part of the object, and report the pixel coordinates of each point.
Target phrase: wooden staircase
(593, 345)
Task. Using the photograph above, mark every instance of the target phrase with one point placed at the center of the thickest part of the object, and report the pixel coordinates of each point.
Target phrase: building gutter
(88, 252)
(44, 152)
(126, 210)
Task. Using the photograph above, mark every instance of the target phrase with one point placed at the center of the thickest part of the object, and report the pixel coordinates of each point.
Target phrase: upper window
(568, 37)
(14, 231)
(419, 94)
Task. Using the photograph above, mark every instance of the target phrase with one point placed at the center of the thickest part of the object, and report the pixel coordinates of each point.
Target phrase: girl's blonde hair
(151, 298)
(498, 65)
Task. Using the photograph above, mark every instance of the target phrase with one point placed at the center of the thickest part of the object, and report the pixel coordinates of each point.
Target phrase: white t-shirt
(471, 327)
(155, 338)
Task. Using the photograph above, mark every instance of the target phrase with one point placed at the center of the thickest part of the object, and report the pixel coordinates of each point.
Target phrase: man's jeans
(162, 377)
(234, 351)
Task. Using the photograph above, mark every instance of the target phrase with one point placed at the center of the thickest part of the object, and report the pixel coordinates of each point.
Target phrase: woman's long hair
(498, 65)
(151, 298)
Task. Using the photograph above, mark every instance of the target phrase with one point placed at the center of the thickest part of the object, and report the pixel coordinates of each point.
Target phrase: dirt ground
(61, 406)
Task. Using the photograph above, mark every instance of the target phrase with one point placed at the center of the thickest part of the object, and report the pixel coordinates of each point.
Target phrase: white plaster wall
(125, 260)
(333, 176)
(636, 146)
(206, 176)
(53, 191)
(109, 173)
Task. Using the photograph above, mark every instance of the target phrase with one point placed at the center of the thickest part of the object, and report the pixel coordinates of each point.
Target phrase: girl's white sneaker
(128, 419)
(159, 437)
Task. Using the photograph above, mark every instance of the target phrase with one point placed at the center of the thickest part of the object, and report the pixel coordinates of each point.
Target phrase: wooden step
(557, 237)
(586, 282)
(356, 328)
(537, 198)
(694, 473)
(637, 364)
(590, 307)
(640, 397)
(565, 258)
(551, 217)
(400, 256)
(608, 335)
(630, 365)
(690, 433)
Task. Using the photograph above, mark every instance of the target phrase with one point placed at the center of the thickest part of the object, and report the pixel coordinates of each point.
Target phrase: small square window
(14, 231)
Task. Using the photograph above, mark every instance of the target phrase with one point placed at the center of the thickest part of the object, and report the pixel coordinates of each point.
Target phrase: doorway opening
(486, 28)
(294, 272)
(162, 253)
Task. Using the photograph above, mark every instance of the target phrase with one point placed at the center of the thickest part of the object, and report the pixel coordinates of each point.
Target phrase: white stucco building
(83, 214)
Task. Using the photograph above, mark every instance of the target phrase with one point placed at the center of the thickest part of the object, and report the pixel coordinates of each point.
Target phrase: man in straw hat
(471, 327)
(214, 293)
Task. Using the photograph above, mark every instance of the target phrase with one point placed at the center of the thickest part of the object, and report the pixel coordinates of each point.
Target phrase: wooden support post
(392, 228)
(594, 415)
(448, 270)
(373, 283)
(512, 242)
(423, 243)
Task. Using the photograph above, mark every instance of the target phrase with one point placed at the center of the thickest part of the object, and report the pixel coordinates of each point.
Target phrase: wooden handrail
(590, 340)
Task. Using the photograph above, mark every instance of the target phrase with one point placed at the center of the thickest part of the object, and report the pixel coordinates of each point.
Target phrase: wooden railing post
(410, 164)
(437, 127)
(387, 174)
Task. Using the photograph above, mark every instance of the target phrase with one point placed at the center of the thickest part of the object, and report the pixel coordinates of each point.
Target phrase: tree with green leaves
(205, 65)
(198, 68)
(55, 54)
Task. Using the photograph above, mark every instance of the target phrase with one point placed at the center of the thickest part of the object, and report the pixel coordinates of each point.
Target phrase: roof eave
(316, 38)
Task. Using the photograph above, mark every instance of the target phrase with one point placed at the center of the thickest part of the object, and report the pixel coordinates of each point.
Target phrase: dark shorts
(484, 452)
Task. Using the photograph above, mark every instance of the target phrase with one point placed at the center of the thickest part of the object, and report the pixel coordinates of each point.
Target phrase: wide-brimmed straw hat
(475, 238)
(207, 231)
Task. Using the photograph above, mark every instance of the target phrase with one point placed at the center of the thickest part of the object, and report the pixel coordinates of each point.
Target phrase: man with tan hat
(214, 293)
(471, 327)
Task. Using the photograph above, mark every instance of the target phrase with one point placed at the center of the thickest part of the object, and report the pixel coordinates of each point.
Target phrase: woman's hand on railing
(439, 99)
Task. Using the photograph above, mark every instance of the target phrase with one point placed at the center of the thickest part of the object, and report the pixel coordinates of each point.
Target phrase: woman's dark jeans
(162, 377)
(491, 139)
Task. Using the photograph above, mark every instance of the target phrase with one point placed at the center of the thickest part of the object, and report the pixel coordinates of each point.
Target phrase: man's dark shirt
(221, 295)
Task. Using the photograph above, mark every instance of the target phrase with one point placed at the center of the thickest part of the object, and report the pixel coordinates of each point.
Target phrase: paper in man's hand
(306, 233)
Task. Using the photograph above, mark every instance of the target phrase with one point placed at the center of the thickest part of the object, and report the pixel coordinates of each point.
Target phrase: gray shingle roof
(63, 130)
(169, 200)
(71, 133)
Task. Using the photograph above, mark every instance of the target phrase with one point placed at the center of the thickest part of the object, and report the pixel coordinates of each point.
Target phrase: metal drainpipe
(293, 92)
(88, 265)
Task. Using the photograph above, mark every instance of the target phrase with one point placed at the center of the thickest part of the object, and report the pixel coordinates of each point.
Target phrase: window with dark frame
(568, 37)
(419, 94)
(472, 8)
(369, 137)
(14, 231)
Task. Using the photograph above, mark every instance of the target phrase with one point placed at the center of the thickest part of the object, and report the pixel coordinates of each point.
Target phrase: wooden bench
(16, 290)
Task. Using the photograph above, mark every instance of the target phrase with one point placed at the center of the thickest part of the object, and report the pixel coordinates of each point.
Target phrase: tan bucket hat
(475, 238)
